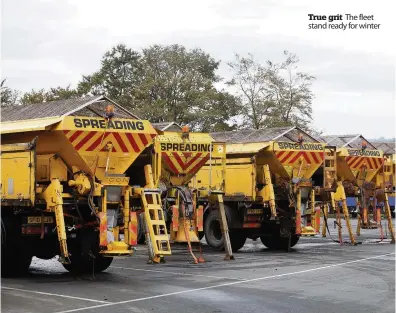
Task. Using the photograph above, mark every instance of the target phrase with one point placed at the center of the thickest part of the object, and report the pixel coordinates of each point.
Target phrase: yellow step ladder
(157, 237)
(156, 233)
(327, 191)
(335, 193)
(330, 168)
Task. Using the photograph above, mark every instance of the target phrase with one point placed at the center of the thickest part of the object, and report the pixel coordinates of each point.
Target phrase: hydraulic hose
(183, 196)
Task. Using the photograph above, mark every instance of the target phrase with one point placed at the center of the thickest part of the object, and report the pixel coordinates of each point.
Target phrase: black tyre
(270, 242)
(102, 263)
(16, 254)
(212, 231)
(278, 243)
(83, 265)
(214, 236)
(294, 240)
(14, 263)
(75, 266)
(237, 239)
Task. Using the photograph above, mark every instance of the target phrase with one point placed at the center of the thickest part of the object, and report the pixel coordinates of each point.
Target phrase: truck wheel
(237, 239)
(278, 243)
(16, 255)
(76, 265)
(294, 240)
(270, 242)
(14, 263)
(212, 230)
(83, 265)
(102, 263)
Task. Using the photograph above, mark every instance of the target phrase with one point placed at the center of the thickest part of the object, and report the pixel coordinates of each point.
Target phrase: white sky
(51, 43)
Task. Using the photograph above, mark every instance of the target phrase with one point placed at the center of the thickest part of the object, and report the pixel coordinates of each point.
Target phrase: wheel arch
(230, 210)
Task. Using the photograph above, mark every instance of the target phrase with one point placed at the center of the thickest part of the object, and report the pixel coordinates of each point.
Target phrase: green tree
(274, 94)
(290, 91)
(118, 77)
(250, 84)
(178, 85)
(42, 95)
(164, 83)
(8, 96)
(34, 96)
(217, 113)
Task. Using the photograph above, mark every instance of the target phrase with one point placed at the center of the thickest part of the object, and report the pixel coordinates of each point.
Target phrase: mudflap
(85, 242)
(287, 245)
(287, 230)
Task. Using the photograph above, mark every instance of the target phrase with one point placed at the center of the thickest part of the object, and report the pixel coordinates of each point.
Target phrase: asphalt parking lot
(318, 275)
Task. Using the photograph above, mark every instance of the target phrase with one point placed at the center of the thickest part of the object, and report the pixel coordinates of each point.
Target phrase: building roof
(289, 134)
(347, 141)
(388, 147)
(167, 126)
(87, 106)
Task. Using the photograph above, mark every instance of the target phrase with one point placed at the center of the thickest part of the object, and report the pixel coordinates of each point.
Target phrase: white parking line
(174, 273)
(223, 285)
(54, 294)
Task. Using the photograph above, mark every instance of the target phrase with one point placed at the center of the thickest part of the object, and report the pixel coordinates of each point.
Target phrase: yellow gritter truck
(63, 187)
(384, 189)
(385, 178)
(360, 169)
(271, 177)
(176, 157)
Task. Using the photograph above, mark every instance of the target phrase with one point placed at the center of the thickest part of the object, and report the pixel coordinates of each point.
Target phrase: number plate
(254, 211)
(40, 219)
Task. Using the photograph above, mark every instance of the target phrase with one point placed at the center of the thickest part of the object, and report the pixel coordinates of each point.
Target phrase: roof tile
(62, 107)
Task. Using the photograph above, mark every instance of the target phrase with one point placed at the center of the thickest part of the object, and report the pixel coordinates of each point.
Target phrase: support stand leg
(359, 225)
(224, 228)
(389, 218)
(348, 221)
(325, 212)
(338, 218)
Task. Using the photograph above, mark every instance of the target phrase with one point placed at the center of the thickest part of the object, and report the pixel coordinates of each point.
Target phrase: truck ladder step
(155, 223)
(329, 167)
